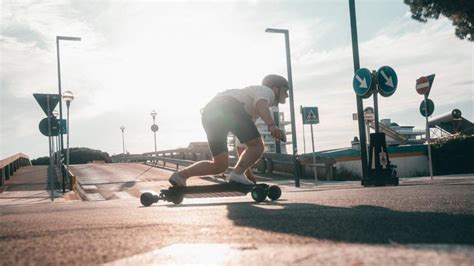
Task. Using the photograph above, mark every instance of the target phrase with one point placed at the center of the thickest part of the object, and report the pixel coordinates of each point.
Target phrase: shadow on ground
(359, 224)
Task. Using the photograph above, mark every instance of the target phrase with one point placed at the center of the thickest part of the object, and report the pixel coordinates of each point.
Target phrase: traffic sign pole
(50, 168)
(314, 158)
(428, 138)
(359, 102)
(302, 124)
(376, 112)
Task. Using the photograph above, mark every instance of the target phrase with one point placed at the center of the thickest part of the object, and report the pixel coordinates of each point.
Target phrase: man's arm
(264, 111)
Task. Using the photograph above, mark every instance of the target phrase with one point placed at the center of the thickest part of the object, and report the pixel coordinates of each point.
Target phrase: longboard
(259, 192)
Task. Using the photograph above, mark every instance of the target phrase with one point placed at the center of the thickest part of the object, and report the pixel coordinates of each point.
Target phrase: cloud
(325, 78)
(140, 56)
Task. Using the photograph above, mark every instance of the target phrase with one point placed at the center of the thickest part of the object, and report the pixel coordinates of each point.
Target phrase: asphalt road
(419, 222)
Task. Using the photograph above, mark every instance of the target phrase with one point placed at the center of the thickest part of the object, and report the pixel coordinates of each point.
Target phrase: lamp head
(67, 38)
(68, 96)
(272, 30)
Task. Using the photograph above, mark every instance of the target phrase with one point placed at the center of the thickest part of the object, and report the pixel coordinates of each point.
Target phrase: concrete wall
(408, 165)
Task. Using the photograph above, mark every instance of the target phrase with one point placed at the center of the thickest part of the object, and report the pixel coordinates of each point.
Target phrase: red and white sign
(422, 85)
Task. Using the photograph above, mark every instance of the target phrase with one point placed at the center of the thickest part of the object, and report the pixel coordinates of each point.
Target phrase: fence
(269, 163)
(9, 165)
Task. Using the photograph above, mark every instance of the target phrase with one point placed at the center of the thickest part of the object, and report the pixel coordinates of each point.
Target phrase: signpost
(423, 87)
(362, 83)
(427, 107)
(384, 81)
(304, 135)
(387, 81)
(49, 127)
(311, 116)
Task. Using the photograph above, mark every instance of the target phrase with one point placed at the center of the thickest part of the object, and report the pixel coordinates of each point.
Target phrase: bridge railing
(9, 165)
(269, 163)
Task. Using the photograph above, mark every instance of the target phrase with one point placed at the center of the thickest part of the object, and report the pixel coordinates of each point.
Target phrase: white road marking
(94, 197)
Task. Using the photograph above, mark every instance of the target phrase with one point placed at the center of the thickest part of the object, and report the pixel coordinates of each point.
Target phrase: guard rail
(9, 165)
(269, 163)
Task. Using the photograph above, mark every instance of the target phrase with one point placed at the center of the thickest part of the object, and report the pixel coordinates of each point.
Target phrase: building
(404, 134)
(268, 140)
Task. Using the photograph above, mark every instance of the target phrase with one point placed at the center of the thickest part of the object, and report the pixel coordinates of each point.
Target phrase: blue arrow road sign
(310, 115)
(387, 81)
(362, 82)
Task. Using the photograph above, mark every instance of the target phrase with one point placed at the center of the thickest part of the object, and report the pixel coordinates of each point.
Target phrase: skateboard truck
(259, 192)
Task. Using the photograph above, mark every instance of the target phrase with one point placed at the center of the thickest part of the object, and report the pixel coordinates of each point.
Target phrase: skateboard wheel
(177, 199)
(274, 192)
(147, 199)
(259, 194)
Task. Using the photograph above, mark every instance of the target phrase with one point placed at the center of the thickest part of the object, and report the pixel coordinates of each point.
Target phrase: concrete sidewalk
(29, 186)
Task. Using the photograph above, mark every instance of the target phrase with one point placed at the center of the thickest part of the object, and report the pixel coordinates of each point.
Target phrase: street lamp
(123, 141)
(292, 107)
(68, 98)
(62, 38)
(154, 127)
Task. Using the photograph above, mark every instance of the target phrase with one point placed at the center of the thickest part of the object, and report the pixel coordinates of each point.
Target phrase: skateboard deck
(259, 192)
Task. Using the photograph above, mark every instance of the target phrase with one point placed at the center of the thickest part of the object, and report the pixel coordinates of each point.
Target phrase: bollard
(72, 182)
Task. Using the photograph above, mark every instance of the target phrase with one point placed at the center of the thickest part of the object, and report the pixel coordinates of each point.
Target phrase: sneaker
(234, 177)
(177, 181)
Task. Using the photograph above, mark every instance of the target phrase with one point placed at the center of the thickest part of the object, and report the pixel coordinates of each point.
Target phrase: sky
(174, 56)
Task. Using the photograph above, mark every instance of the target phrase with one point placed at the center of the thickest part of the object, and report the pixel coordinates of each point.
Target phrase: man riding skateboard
(236, 111)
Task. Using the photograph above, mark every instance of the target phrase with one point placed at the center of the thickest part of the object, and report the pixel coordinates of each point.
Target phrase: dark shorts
(225, 114)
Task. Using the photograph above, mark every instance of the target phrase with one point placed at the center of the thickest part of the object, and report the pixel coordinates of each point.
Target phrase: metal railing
(9, 165)
(269, 163)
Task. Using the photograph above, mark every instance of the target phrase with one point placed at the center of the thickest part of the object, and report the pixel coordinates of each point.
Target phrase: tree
(461, 12)
(78, 156)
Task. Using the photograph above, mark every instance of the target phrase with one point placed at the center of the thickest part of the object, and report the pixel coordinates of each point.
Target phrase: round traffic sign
(429, 105)
(43, 127)
(387, 81)
(154, 128)
(422, 85)
(362, 82)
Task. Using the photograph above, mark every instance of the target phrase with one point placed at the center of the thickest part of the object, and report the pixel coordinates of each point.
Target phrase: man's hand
(276, 132)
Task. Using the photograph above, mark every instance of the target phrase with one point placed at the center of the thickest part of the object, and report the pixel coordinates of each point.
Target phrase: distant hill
(78, 156)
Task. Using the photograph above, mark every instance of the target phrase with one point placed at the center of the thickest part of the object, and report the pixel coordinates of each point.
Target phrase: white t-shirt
(249, 96)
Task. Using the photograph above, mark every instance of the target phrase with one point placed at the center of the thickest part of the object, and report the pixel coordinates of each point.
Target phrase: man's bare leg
(218, 165)
(250, 155)
(249, 174)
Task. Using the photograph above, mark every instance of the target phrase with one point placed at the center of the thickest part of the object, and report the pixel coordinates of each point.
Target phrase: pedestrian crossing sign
(310, 115)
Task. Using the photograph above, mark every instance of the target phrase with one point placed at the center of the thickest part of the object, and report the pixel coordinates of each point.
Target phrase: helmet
(275, 80)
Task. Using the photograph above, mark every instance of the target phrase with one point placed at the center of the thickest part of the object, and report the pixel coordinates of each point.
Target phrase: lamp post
(292, 107)
(123, 141)
(68, 98)
(154, 127)
(62, 38)
(359, 101)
